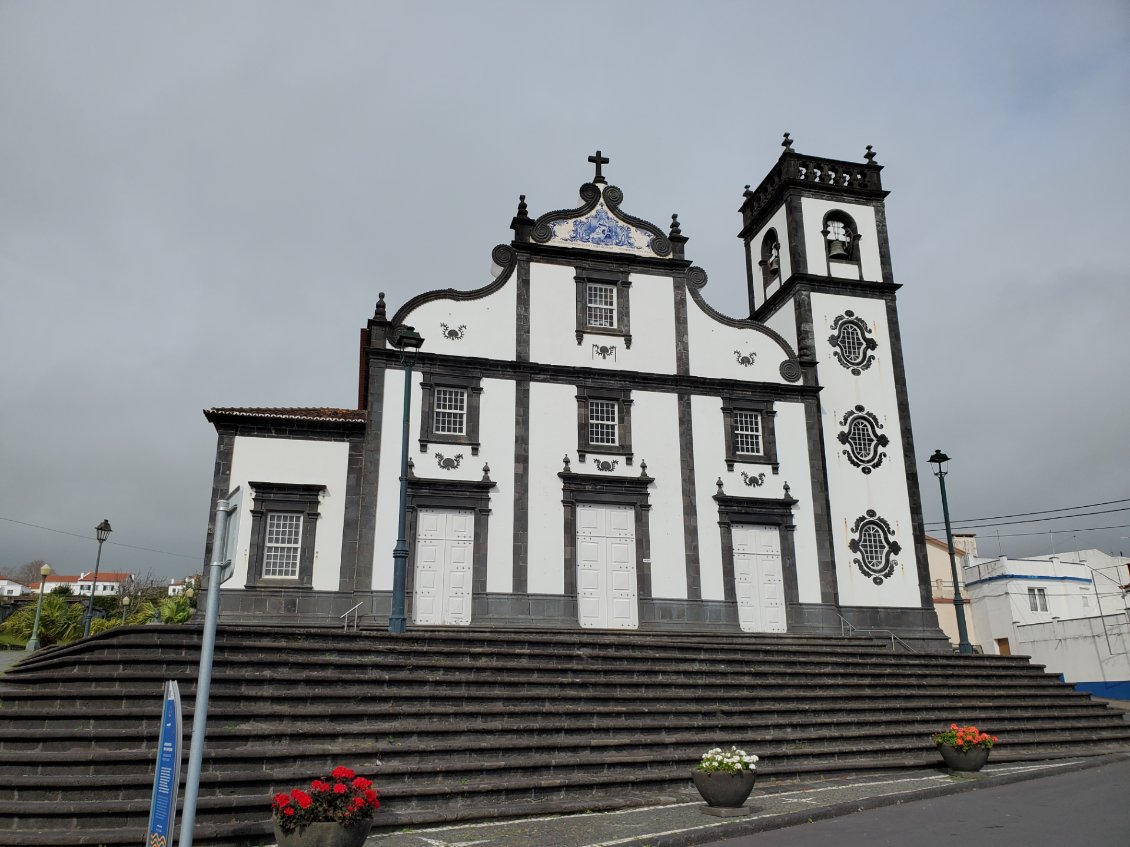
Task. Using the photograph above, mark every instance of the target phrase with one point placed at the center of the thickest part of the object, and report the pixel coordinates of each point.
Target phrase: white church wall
(813, 212)
(297, 462)
(709, 465)
(716, 349)
(469, 327)
(783, 322)
(388, 489)
(553, 434)
(792, 450)
(553, 327)
(852, 492)
(655, 439)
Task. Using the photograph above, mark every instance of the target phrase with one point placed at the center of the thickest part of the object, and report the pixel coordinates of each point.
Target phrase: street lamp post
(939, 460)
(33, 642)
(409, 341)
(102, 531)
(125, 609)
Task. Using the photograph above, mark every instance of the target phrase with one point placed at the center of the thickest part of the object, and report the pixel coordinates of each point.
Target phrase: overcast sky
(200, 201)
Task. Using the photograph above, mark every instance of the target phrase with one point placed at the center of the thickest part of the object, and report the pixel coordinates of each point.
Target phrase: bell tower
(818, 271)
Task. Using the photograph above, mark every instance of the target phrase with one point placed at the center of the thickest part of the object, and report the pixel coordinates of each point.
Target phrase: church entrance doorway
(445, 541)
(606, 567)
(758, 584)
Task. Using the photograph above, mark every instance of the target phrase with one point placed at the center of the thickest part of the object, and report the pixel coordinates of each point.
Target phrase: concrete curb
(836, 810)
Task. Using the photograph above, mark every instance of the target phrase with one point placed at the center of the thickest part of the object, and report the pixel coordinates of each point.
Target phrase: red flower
(371, 796)
(282, 799)
(995, 739)
(341, 772)
(340, 788)
(953, 726)
(301, 797)
(288, 811)
(362, 783)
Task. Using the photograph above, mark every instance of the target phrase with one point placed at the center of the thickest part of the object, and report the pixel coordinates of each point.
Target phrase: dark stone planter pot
(325, 835)
(966, 761)
(724, 790)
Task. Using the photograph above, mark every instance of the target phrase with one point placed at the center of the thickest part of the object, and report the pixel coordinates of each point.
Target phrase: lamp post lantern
(125, 609)
(409, 341)
(939, 460)
(102, 531)
(33, 642)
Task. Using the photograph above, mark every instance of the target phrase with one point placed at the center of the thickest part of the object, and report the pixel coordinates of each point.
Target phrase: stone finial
(719, 484)
(379, 313)
(566, 469)
(869, 155)
(747, 193)
(787, 143)
(643, 468)
(522, 223)
(411, 469)
(676, 230)
(486, 473)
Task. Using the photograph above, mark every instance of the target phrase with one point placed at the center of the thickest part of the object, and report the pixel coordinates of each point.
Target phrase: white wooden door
(758, 582)
(445, 540)
(606, 567)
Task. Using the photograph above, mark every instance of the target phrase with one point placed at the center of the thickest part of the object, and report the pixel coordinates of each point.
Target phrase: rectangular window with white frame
(450, 411)
(747, 434)
(1037, 600)
(601, 301)
(603, 421)
(284, 543)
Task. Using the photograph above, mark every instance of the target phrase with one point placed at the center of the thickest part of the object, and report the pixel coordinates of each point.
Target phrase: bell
(774, 266)
(837, 249)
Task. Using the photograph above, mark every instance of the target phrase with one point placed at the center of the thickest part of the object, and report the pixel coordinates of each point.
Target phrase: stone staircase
(484, 723)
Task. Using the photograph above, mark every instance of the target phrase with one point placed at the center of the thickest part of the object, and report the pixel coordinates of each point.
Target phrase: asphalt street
(1085, 807)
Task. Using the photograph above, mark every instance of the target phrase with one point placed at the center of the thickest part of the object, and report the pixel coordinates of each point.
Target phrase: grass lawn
(8, 641)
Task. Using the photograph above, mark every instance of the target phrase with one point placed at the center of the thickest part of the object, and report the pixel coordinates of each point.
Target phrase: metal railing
(848, 628)
(356, 617)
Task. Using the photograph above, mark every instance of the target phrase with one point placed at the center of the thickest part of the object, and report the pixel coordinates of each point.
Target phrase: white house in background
(11, 588)
(177, 587)
(1069, 612)
(596, 446)
(108, 584)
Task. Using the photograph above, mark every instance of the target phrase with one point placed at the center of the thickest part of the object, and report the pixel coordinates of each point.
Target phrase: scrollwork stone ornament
(604, 351)
(449, 463)
(852, 342)
(746, 360)
(863, 440)
(790, 370)
(605, 465)
(696, 276)
(874, 546)
(453, 333)
(754, 481)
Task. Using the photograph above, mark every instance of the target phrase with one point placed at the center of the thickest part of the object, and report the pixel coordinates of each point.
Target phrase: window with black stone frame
(284, 522)
(450, 410)
(603, 306)
(604, 422)
(748, 432)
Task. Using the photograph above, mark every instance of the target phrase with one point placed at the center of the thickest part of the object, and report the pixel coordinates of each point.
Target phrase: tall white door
(445, 540)
(606, 567)
(758, 583)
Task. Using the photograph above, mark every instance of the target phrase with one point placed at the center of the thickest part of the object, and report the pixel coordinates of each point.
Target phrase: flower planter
(723, 790)
(325, 835)
(967, 761)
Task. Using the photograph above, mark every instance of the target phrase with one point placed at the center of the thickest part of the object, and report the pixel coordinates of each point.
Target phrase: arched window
(770, 263)
(841, 238)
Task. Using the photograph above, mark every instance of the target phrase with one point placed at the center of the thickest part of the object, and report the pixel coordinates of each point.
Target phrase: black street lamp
(940, 460)
(102, 531)
(409, 341)
(33, 643)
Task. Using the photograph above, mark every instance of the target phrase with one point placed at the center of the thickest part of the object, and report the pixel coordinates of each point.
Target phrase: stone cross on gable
(598, 160)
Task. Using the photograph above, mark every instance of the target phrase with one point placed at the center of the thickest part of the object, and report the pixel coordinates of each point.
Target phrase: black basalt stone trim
(502, 255)
(521, 486)
(522, 311)
(221, 486)
(293, 428)
(764, 512)
(914, 494)
(590, 196)
(370, 480)
(794, 226)
(554, 254)
(690, 499)
(883, 242)
(613, 380)
(824, 285)
(353, 478)
(586, 489)
(469, 495)
(821, 503)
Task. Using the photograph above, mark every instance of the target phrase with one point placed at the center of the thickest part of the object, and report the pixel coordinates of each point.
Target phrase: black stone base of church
(304, 607)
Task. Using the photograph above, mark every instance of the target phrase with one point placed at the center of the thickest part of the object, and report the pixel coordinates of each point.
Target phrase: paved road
(1086, 807)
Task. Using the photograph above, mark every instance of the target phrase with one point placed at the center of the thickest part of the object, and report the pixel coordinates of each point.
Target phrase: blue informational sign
(163, 809)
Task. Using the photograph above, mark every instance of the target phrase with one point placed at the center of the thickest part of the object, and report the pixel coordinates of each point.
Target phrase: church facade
(594, 446)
